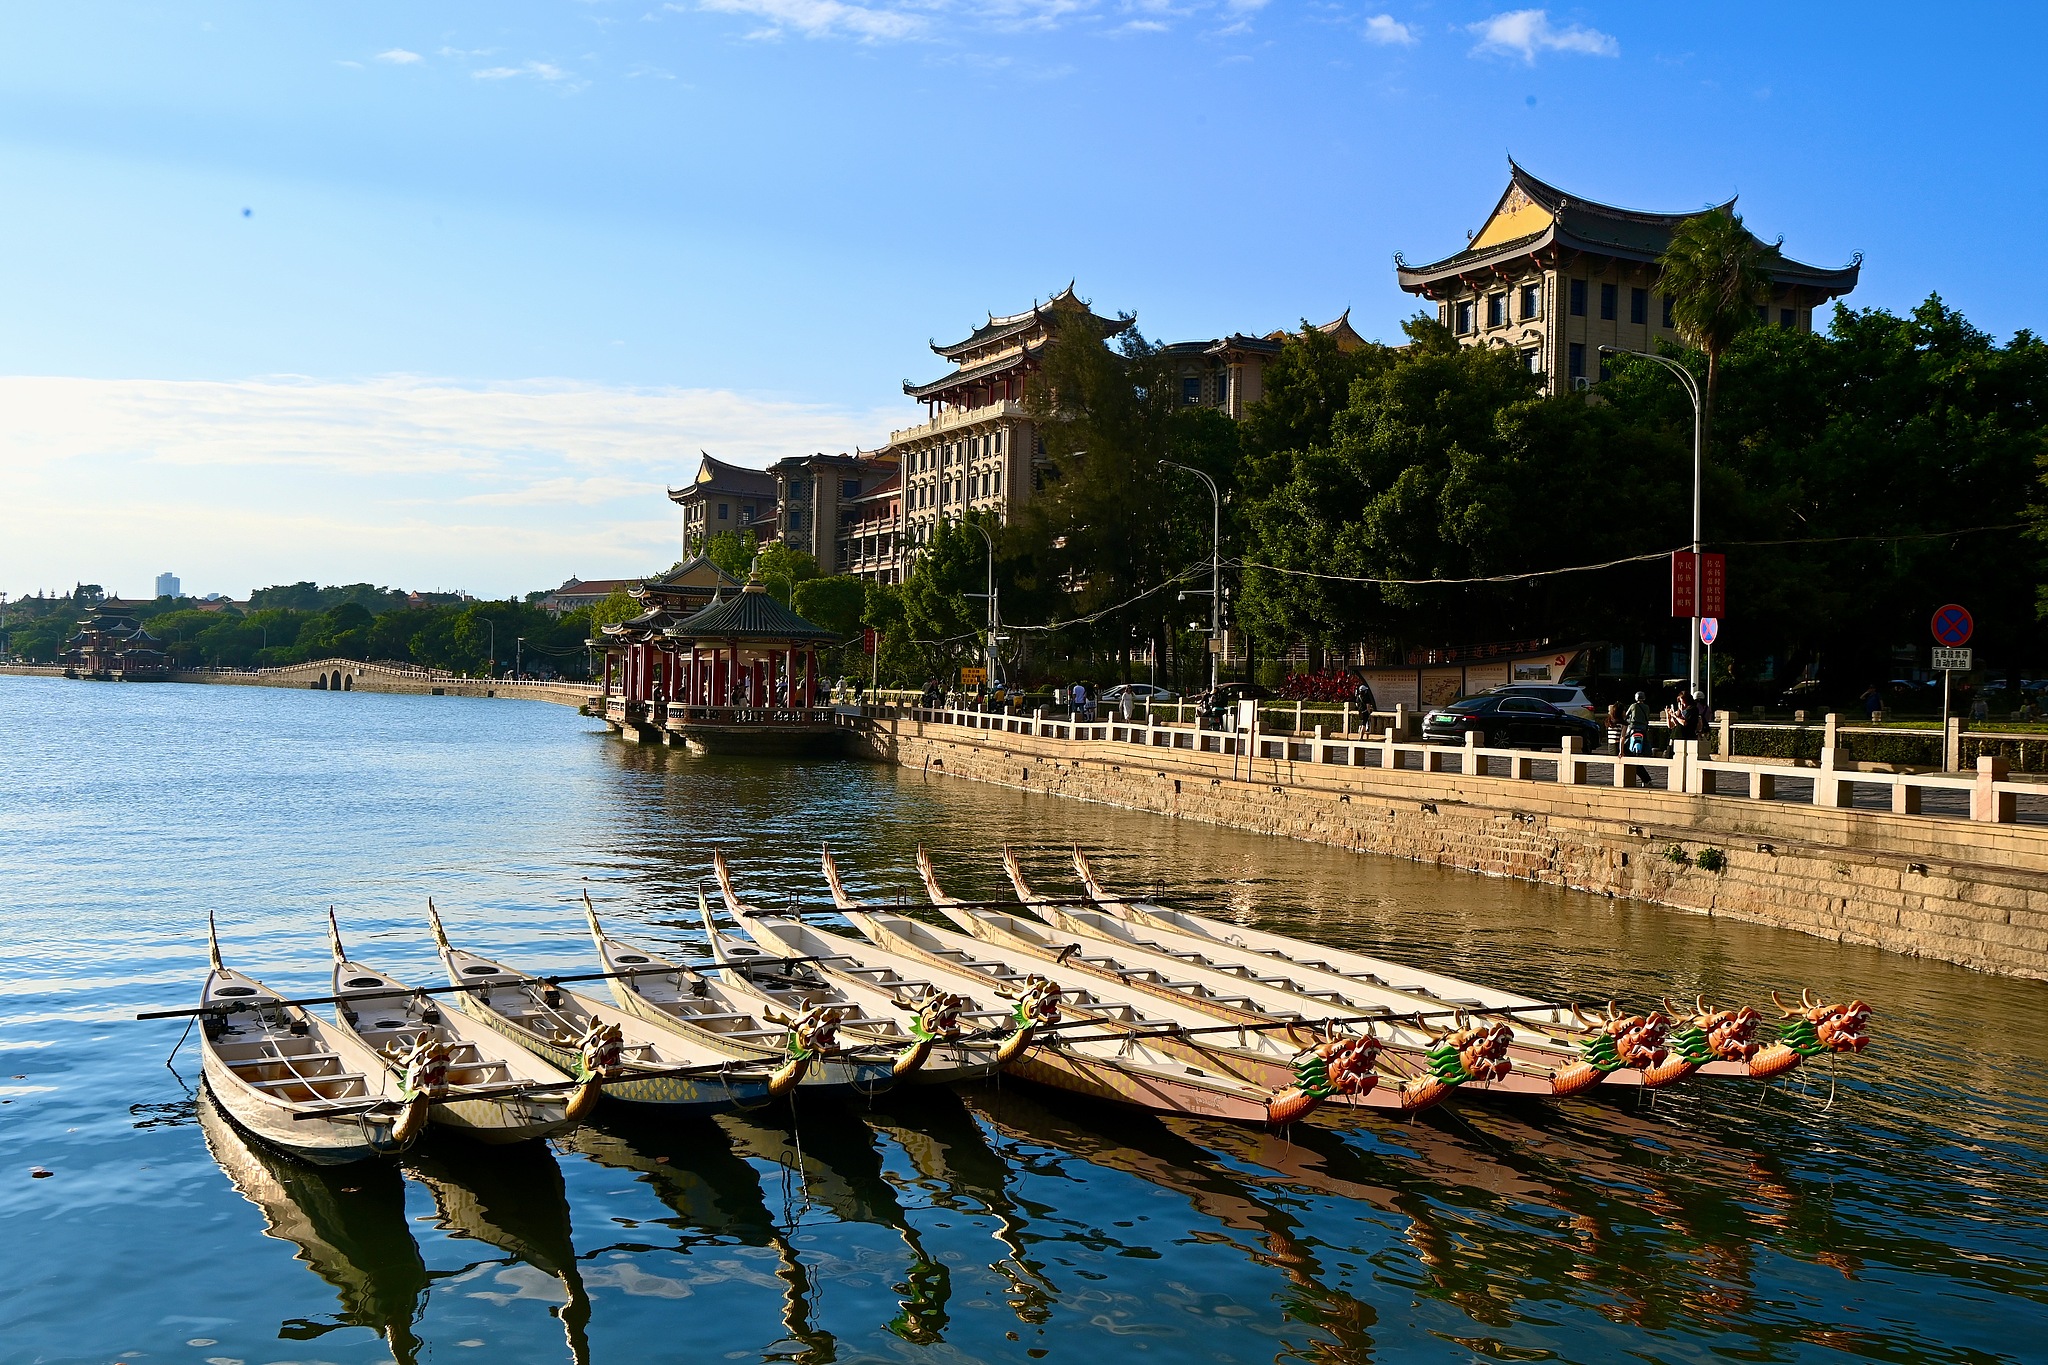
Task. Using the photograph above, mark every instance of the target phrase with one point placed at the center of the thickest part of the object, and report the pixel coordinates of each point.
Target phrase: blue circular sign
(1952, 625)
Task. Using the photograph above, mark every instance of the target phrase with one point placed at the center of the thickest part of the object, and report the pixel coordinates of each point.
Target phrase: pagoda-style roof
(1021, 358)
(694, 576)
(1535, 219)
(737, 477)
(751, 615)
(997, 329)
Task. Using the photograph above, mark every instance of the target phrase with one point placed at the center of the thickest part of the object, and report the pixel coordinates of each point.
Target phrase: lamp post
(494, 647)
(1692, 391)
(989, 648)
(1215, 567)
(518, 655)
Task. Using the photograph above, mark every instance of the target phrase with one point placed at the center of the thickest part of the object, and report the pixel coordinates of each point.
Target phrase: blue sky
(442, 295)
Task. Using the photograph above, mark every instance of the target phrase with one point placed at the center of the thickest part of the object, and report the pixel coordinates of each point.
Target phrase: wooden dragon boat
(926, 1040)
(1654, 1049)
(294, 1081)
(750, 1026)
(1413, 1078)
(1503, 1055)
(1335, 1067)
(478, 1082)
(632, 1059)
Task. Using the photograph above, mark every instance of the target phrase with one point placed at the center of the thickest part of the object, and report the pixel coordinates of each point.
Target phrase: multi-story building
(723, 497)
(870, 527)
(1229, 372)
(976, 449)
(167, 585)
(1556, 278)
(817, 496)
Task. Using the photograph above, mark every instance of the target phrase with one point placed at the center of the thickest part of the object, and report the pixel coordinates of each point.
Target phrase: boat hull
(321, 1141)
(823, 1077)
(700, 1094)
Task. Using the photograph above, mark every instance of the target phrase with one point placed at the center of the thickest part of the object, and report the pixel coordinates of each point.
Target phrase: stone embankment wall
(1969, 893)
(351, 676)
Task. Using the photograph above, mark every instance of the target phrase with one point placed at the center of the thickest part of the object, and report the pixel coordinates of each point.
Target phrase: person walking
(1616, 727)
(1636, 737)
(1873, 703)
(1078, 700)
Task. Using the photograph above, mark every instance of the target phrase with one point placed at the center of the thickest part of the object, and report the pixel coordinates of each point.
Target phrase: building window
(1786, 317)
(1532, 301)
(1578, 360)
(1464, 316)
(1610, 296)
(999, 443)
(1578, 298)
(1532, 360)
(724, 511)
(749, 510)
(1763, 312)
(850, 488)
(1639, 306)
(1191, 388)
(999, 478)
(1668, 302)
(1496, 310)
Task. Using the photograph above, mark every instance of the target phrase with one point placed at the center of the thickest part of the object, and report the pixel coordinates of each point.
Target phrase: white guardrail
(1988, 794)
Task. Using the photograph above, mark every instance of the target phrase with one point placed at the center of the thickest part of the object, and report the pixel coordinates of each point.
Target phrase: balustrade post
(1986, 801)
(1905, 797)
(1399, 729)
(1952, 744)
(1828, 789)
(1568, 773)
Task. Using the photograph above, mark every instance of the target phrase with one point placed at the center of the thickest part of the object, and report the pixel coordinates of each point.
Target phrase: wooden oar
(747, 964)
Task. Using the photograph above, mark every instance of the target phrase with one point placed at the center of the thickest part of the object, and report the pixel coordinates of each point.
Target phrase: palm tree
(1719, 276)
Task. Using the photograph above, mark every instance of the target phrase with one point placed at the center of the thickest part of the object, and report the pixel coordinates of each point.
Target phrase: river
(1894, 1207)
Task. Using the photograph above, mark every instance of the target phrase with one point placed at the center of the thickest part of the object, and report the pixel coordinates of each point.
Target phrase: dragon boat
(922, 1029)
(478, 1082)
(1287, 1082)
(1653, 1049)
(804, 1036)
(632, 1059)
(294, 1081)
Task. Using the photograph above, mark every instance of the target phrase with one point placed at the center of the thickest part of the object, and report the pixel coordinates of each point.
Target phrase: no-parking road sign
(1953, 625)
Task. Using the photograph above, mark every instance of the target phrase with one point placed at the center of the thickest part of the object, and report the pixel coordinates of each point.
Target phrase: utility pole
(1215, 568)
(989, 644)
(518, 655)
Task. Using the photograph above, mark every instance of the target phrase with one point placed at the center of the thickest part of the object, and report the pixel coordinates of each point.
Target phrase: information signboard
(973, 677)
(1949, 659)
(1699, 584)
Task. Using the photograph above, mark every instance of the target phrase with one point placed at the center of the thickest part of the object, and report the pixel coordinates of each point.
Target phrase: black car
(1504, 720)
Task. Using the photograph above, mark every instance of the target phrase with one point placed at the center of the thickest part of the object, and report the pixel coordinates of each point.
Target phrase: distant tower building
(167, 585)
(1554, 277)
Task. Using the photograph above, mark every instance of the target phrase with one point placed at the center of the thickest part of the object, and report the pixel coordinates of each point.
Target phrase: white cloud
(1387, 30)
(540, 71)
(498, 488)
(824, 18)
(1525, 32)
(398, 56)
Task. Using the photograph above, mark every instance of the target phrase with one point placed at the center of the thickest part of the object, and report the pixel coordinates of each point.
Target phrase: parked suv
(1568, 697)
(1507, 718)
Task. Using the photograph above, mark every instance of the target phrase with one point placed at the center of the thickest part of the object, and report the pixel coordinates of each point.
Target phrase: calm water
(1894, 1210)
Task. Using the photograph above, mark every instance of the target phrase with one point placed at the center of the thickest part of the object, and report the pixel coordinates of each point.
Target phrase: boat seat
(308, 1080)
(280, 1058)
(720, 1018)
(755, 1033)
(986, 1014)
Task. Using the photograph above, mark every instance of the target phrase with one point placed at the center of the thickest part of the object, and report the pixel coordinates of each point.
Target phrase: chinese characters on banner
(1699, 584)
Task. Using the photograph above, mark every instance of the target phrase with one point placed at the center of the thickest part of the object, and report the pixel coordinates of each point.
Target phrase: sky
(446, 295)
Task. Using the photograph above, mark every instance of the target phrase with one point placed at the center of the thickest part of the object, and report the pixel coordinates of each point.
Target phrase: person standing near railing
(1636, 737)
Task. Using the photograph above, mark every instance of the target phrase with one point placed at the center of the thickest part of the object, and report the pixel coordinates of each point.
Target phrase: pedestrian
(1124, 702)
(1980, 708)
(1636, 741)
(1077, 699)
(1616, 727)
(1688, 717)
(1873, 703)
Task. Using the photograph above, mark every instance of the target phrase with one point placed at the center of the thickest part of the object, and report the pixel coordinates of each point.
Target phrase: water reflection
(693, 1166)
(348, 1225)
(512, 1198)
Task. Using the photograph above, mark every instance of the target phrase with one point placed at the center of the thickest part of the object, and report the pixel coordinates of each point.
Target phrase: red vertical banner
(1684, 583)
(1713, 586)
(867, 640)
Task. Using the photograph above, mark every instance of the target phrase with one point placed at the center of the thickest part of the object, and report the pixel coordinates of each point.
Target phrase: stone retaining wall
(362, 677)
(1974, 894)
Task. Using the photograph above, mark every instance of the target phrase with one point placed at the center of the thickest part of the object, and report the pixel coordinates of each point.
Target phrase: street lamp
(1215, 567)
(518, 656)
(1692, 390)
(494, 646)
(989, 649)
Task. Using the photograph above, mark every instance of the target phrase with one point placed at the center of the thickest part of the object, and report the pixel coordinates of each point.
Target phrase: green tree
(836, 603)
(618, 606)
(1718, 275)
(782, 567)
(732, 551)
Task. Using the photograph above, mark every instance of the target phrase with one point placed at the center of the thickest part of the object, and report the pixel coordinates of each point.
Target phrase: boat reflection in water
(1154, 1150)
(512, 1198)
(831, 1160)
(691, 1166)
(348, 1224)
